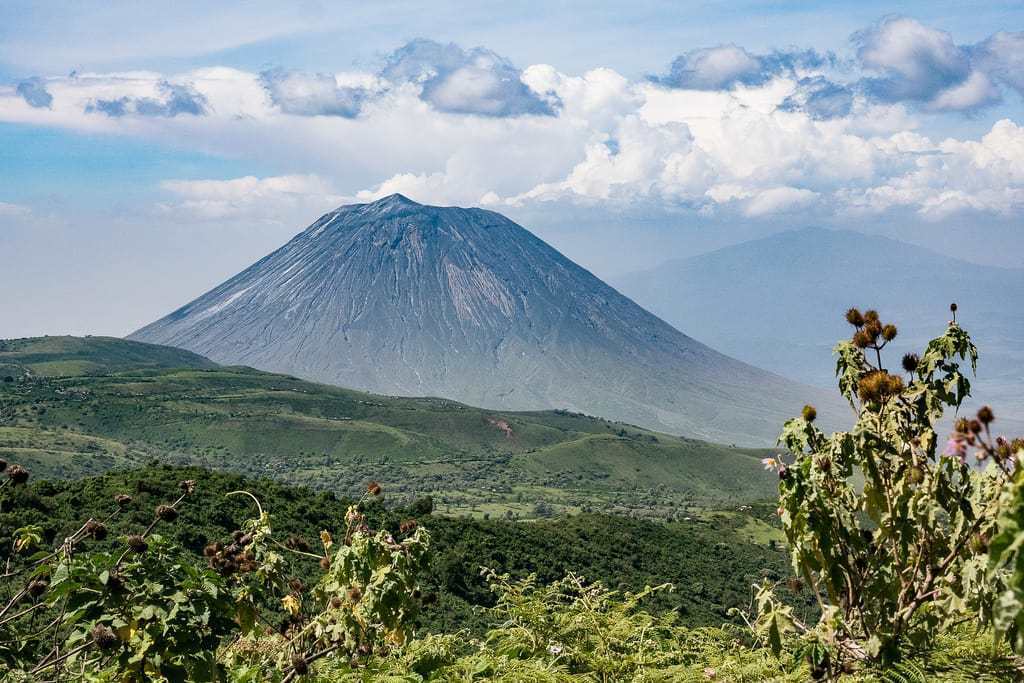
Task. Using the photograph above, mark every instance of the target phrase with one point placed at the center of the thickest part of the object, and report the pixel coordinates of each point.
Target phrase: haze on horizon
(138, 168)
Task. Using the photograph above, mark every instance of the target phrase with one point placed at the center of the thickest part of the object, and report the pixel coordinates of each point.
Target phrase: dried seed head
(37, 587)
(809, 413)
(974, 426)
(871, 316)
(354, 594)
(300, 665)
(873, 328)
(889, 332)
(325, 563)
(122, 499)
(861, 339)
(166, 512)
(103, 636)
(985, 415)
(336, 602)
(188, 486)
(952, 308)
(17, 474)
(296, 585)
(854, 317)
(137, 543)
(211, 549)
(962, 425)
(910, 362)
(373, 488)
(96, 529)
(407, 526)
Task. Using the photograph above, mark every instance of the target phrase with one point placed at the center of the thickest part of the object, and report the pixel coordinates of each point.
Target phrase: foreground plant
(148, 611)
(889, 528)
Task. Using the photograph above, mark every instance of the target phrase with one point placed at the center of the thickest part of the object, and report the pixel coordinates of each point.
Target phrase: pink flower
(957, 447)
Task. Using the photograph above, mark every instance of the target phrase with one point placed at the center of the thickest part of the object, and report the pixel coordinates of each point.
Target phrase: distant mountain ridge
(778, 302)
(401, 298)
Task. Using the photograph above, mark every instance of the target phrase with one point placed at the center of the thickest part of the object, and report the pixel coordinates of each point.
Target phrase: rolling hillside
(471, 460)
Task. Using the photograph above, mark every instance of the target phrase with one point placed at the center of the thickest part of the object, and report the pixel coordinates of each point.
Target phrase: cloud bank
(724, 131)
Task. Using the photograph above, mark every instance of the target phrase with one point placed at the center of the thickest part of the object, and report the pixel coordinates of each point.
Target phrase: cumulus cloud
(475, 81)
(724, 66)
(306, 94)
(921, 64)
(781, 137)
(270, 199)
(1002, 57)
(820, 98)
(171, 100)
(33, 91)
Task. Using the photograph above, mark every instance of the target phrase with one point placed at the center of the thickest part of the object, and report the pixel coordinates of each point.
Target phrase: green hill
(469, 459)
(73, 356)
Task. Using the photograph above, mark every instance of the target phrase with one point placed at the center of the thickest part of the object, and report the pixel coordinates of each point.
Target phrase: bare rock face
(400, 298)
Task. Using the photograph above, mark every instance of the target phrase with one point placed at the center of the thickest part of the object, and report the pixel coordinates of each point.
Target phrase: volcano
(401, 298)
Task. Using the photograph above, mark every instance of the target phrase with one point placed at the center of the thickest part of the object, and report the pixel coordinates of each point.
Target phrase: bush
(891, 532)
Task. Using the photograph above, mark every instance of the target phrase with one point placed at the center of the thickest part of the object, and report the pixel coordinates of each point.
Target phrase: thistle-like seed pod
(122, 499)
(910, 362)
(300, 665)
(96, 529)
(137, 543)
(325, 563)
(37, 587)
(296, 585)
(854, 317)
(103, 636)
(861, 339)
(336, 602)
(17, 474)
(373, 488)
(889, 332)
(974, 426)
(407, 526)
(354, 594)
(188, 486)
(985, 415)
(809, 413)
(871, 316)
(166, 512)
(952, 308)
(962, 425)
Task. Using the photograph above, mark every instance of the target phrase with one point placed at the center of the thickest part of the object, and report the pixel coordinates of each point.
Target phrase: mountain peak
(401, 298)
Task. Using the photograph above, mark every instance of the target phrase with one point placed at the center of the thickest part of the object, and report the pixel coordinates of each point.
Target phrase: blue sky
(148, 150)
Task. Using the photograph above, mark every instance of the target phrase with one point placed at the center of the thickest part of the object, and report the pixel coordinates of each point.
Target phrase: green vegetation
(624, 553)
(472, 461)
(908, 558)
(67, 356)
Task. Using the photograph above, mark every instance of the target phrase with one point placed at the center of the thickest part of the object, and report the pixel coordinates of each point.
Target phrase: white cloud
(756, 149)
(272, 199)
(14, 210)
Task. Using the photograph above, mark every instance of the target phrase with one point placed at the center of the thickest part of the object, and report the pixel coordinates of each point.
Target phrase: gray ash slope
(400, 298)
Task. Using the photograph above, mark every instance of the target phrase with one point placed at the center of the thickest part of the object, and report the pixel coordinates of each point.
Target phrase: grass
(471, 460)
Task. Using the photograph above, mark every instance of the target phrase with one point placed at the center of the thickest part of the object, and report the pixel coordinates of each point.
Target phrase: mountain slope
(778, 302)
(400, 298)
(257, 423)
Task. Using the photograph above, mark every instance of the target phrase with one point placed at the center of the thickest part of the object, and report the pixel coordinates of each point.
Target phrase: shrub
(888, 528)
